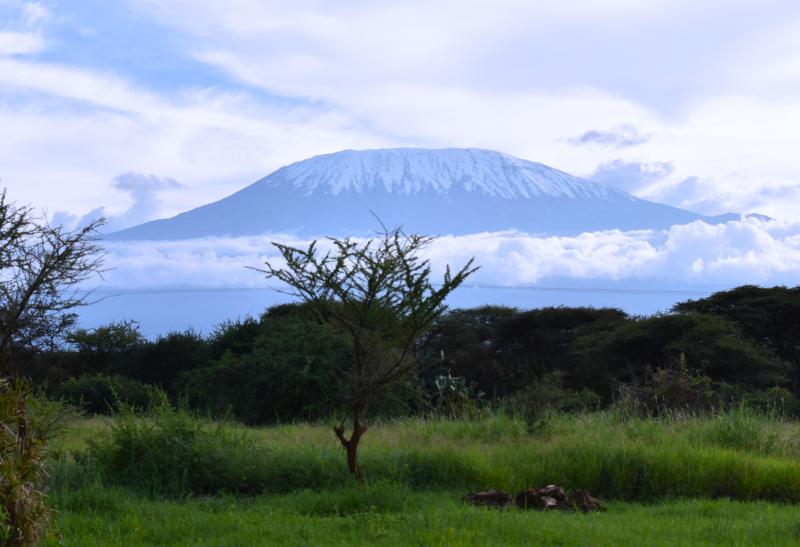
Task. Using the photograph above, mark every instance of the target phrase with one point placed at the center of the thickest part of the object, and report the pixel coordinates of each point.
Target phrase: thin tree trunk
(351, 445)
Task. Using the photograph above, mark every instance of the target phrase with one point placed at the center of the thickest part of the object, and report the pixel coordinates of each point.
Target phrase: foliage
(103, 394)
(169, 452)
(509, 355)
(109, 346)
(291, 372)
(769, 316)
(465, 342)
(537, 400)
(738, 454)
(710, 345)
(454, 397)
(234, 337)
(672, 389)
(26, 425)
(40, 268)
(379, 294)
(164, 361)
(503, 349)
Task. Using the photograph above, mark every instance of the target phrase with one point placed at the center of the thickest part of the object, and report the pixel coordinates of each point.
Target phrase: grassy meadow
(171, 479)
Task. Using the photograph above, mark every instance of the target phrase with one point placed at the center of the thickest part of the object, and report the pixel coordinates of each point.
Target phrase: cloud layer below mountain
(747, 251)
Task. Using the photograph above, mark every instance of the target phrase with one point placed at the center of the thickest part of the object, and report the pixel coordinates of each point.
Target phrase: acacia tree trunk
(351, 445)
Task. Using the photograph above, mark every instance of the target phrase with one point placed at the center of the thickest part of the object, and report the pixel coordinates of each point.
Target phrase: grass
(736, 455)
(678, 480)
(390, 515)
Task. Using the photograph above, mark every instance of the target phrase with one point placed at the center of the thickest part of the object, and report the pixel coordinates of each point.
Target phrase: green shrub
(170, 452)
(101, 394)
(537, 400)
(26, 425)
(293, 371)
(741, 455)
(741, 428)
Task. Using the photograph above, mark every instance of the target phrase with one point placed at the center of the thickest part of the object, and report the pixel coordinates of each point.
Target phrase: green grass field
(732, 479)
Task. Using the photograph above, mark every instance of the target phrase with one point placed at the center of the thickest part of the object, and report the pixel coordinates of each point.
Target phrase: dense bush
(741, 455)
(169, 452)
(710, 346)
(769, 316)
(99, 350)
(292, 371)
(502, 349)
(103, 394)
(163, 361)
(26, 425)
(546, 395)
(739, 346)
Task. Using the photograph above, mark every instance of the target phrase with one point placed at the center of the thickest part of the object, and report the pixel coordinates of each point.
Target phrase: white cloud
(13, 43)
(146, 203)
(748, 251)
(522, 77)
(526, 78)
(76, 129)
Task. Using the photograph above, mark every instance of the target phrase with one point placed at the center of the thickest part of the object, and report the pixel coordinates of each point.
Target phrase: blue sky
(140, 109)
(692, 103)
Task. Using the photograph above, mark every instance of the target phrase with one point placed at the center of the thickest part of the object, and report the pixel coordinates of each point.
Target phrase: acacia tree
(40, 269)
(378, 292)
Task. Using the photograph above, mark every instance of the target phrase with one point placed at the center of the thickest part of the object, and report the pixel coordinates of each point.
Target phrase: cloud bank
(746, 251)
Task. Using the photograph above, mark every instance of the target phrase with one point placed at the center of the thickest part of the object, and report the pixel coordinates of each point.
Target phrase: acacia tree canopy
(41, 267)
(378, 292)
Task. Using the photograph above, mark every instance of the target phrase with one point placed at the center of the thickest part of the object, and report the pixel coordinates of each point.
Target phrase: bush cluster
(739, 454)
(735, 347)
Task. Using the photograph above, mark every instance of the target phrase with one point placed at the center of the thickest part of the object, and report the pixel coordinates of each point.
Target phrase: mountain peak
(431, 191)
(412, 170)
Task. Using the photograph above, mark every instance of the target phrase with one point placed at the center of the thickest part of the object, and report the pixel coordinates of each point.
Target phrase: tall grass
(740, 455)
(385, 514)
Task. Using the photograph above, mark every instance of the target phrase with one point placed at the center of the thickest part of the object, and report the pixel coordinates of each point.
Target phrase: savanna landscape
(384, 273)
(366, 412)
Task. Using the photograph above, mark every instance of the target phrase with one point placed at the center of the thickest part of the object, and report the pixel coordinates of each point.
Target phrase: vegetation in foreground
(389, 515)
(371, 337)
(168, 478)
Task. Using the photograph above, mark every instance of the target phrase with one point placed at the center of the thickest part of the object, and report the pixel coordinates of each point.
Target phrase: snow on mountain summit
(444, 191)
(411, 170)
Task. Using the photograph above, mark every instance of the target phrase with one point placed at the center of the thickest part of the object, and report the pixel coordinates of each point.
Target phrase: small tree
(40, 268)
(379, 294)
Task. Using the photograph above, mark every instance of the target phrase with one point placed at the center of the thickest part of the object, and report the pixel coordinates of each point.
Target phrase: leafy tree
(40, 269)
(291, 372)
(708, 345)
(465, 343)
(769, 316)
(104, 347)
(235, 337)
(536, 343)
(379, 294)
(102, 394)
(504, 350)
(163, 361)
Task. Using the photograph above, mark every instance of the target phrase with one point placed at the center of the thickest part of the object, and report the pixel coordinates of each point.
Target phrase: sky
(695, 104)
(140, 109)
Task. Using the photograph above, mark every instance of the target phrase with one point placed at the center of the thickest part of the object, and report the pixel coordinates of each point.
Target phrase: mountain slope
(447, 191)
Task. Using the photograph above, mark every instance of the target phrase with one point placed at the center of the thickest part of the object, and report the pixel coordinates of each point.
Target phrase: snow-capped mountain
(412, 170)
(446, 191)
